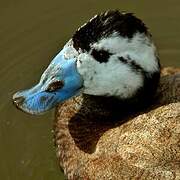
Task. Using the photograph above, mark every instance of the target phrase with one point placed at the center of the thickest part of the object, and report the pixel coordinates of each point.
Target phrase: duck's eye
(101, 56)
(54, 86)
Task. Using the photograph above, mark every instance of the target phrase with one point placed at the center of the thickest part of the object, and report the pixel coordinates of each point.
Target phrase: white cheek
(109, 79)
(140, 48)
(85, 64)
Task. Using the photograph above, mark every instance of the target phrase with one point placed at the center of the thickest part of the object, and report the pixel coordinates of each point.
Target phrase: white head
(112, 55)
(115, 53)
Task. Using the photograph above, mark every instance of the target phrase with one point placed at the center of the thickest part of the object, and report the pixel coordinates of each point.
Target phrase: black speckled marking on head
(150, 80)
(54, 86)
(101, 56)
(104, 24)
(134, 66)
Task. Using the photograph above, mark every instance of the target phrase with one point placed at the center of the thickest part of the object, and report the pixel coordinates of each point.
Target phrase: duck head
(111, 55)
(59, 82)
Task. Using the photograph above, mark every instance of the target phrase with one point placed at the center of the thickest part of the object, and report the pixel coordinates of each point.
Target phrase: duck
(112, 57)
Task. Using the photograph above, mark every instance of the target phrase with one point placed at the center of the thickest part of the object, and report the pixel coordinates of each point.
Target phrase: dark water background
(31, 33)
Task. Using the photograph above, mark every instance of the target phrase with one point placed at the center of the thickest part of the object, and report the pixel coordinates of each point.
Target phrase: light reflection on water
(31, 34)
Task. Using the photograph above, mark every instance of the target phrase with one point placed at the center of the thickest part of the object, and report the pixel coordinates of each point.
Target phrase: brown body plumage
(94, 143)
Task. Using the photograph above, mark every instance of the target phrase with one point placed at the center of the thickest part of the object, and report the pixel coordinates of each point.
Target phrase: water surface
(31, 33)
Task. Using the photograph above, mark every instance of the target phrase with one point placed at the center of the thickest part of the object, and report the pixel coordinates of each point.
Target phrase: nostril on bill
(18, 101)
